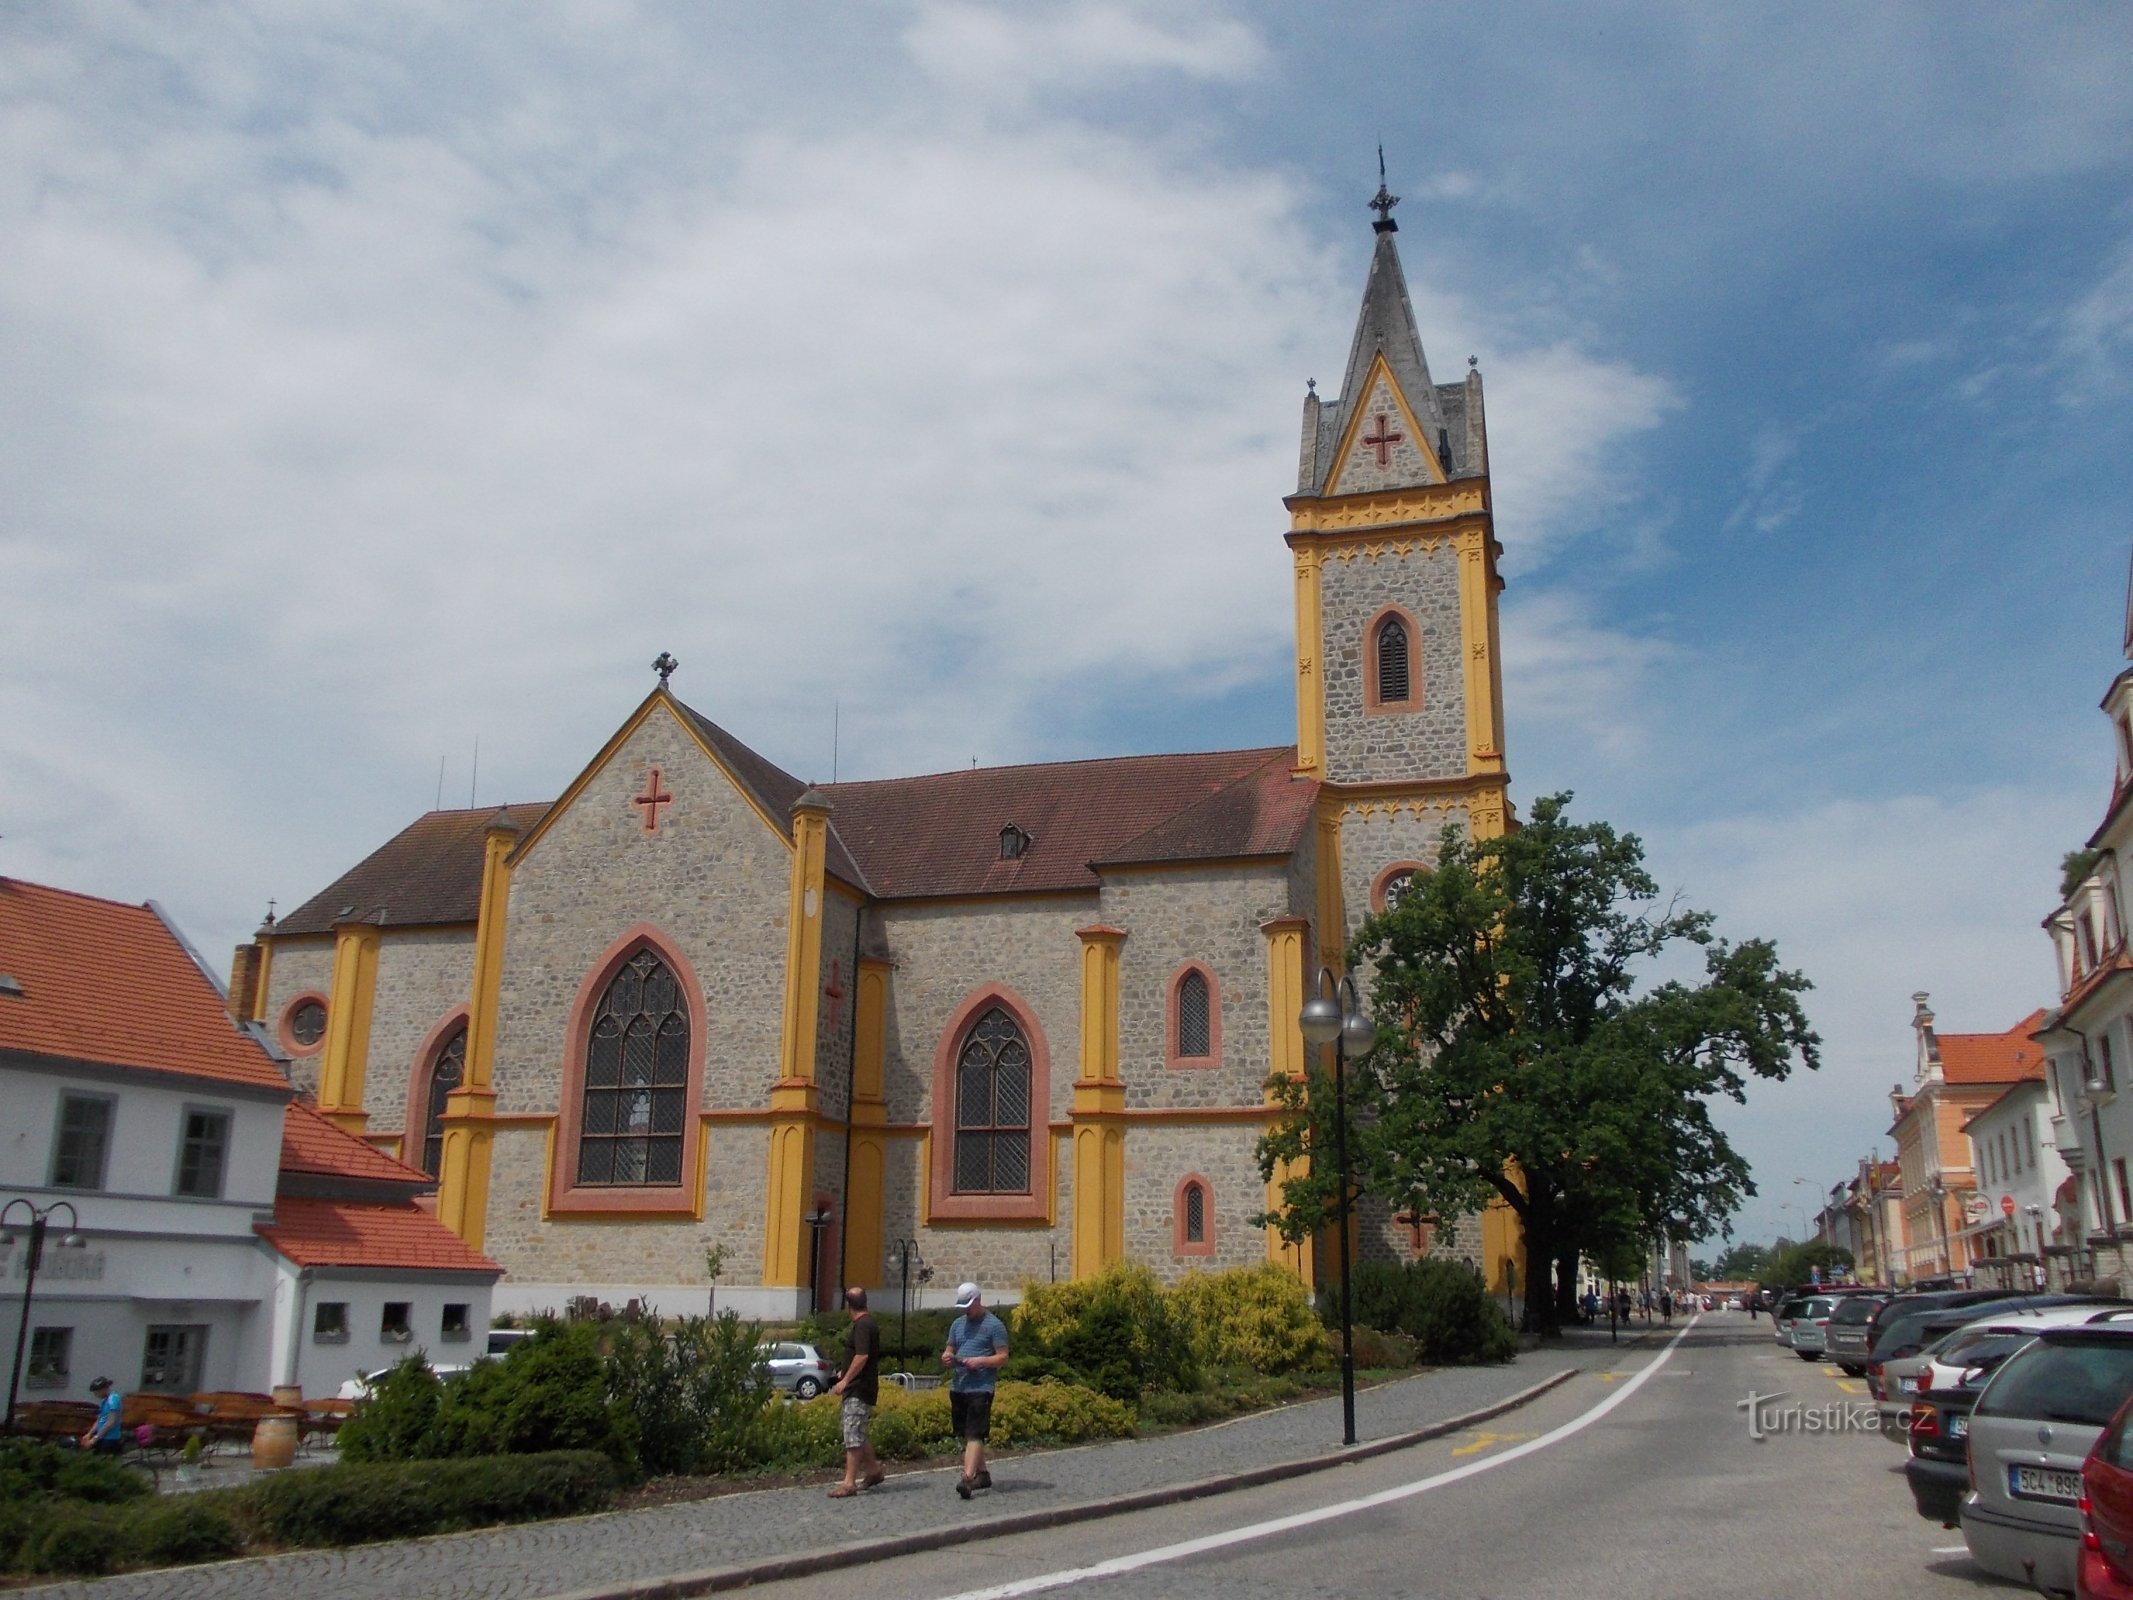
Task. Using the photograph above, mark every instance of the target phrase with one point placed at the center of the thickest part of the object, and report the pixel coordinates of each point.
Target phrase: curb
(832, 1558)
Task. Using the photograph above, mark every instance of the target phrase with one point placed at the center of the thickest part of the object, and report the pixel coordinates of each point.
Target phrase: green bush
(1258, 1317)
(80, 1539)
(357, 1502)
(182, 1529)
(1119, 1328)
(1374, 1347)
(31, 1469)
(1443, 1306)
(397, 1419)
(693, 1394)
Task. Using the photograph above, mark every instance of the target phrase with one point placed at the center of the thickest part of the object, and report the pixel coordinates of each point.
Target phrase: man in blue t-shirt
(975, 1353)
(105, 1433)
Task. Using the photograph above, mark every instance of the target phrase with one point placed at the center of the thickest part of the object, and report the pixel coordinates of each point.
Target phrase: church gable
(1386, 448)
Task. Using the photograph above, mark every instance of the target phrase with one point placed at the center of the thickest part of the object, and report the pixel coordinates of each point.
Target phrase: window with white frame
(203, 1151)
(329, 1322)
(83, 1141)
(51, 1358)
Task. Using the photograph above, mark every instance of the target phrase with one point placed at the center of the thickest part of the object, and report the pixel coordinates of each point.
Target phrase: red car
(2104, 1569)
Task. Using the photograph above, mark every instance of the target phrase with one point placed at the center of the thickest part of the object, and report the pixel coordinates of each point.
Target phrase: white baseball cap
(965, 1293)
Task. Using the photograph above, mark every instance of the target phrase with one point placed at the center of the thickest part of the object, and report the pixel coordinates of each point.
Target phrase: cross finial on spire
(1384, 200)
(664, 666)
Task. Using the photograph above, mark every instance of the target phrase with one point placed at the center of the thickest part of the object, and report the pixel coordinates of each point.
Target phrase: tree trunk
(1566, 1287)
(1541, 1233)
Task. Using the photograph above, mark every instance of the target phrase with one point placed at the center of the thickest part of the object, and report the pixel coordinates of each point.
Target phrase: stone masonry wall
(1157, 1157)
(714, 879)
(1372, 746)
(298, 969)
(833, 1013)
(423, 974)
(1211, 915)
(1388, 832)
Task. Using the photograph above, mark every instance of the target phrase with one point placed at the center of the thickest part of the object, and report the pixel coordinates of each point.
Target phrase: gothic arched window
(992, 1108)
(1192, 1222)
(1192, 1014)
(447, 1068)
(1393, 648)
(1194, 1026)
(636, 1079)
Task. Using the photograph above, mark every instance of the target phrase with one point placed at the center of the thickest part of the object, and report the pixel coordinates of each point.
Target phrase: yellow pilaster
(1477, 651)
(1286, 940)
(1310, 665)
(266, 976)
(347, 1050)
(793, 1100)
(469, 1135)
(1099, 1110)
(864, 1192)
(1331, 906)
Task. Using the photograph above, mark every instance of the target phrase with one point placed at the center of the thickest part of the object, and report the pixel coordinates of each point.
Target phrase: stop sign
(2006, 1205)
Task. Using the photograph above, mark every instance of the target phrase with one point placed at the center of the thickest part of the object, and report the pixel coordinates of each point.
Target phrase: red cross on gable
(834, 989)
(652, 799)
(1383, 440)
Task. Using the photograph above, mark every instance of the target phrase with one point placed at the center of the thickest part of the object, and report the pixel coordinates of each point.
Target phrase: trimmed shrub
(1258, 1317)
(184, 1528)
(31, 1469)
(80, 1539)
(1376, 1348)
(396, 1420)
(1443, 1306)
(355, 1504)
(1023, 1413)
(1118, 1328)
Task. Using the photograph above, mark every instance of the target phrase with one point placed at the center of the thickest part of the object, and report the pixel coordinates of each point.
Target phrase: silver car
(1810, 1329)
(2033, 1427)
(797, 1368)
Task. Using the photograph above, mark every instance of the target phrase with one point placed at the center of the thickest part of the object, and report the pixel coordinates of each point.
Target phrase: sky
(382, 387)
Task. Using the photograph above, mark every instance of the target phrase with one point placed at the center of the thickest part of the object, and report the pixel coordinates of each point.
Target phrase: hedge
(355, 1503)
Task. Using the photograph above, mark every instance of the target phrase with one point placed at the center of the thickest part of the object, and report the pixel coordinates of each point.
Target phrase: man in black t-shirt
(861, 1388)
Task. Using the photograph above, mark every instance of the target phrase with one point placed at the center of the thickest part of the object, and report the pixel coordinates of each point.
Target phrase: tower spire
(1384, 200)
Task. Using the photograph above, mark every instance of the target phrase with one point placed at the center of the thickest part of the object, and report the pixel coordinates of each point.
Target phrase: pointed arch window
(992, 1107)
(1392, 667)
(448, 1067)
(636, 1084)
(1194, 1033)
(1193, 1217)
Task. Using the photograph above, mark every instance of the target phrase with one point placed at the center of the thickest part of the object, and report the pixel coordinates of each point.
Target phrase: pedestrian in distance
(105, 1434)
(975, 1353)
(861, 1388)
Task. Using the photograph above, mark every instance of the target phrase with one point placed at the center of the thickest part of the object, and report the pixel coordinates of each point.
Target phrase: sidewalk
(602, 1554)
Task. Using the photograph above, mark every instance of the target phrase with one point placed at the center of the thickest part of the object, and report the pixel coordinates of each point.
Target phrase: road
(1640, 1480)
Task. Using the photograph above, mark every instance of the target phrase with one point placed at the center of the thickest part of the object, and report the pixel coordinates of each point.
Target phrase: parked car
(1849, 1338)
(1810, 1329)
(2104, 1568)
(1783, 1319)
(360, 1386)
(502, 1339)
(2030, 1435)
(797, 1368)
(1899, 1332)
(1974, 1351)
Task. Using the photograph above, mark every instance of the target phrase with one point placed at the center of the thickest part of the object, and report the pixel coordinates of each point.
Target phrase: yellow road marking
(1482, 1441)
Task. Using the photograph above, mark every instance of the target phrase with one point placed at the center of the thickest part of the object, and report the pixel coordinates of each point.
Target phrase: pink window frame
(418, 1082)
(288, 1012)
(944, 1204)
(1372, 699)
(1172, 1059)
(565, 1195)
(1179, 1244)
(1379, 884)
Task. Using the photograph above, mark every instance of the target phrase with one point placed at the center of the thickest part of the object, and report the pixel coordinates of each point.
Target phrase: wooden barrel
(273, 1443)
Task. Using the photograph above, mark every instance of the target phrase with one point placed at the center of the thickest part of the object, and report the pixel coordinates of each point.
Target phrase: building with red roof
(1021, 1017)
(197, 1212)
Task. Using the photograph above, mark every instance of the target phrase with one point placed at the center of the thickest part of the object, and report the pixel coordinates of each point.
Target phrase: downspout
(851, 1085)
(292, 1352)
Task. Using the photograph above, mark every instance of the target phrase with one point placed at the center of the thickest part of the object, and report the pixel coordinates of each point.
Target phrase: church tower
(1399, 686)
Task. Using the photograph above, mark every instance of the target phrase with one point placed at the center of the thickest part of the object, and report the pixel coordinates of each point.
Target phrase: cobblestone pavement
(581, 1553)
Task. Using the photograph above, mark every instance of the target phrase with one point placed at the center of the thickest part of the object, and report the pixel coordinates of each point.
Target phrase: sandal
(842, 1492)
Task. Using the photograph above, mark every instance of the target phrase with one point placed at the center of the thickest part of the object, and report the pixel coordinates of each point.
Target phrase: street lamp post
(904, 1253)
(71, 1240)
(818, 1221)
(1340, 1022)
(1940, 1218)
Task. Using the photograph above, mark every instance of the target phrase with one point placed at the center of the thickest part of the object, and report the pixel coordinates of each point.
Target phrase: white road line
(1951, 1549)
(1304, 1519)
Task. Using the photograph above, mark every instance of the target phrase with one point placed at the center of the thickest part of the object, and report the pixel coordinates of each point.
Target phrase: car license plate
(1958, 1427)
(1907, 1386)
(2043, 1483)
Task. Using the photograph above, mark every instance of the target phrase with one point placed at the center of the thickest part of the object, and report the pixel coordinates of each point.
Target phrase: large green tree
(1525, 1053)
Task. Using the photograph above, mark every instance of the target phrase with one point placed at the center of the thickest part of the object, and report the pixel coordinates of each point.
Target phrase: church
(1012, 1023)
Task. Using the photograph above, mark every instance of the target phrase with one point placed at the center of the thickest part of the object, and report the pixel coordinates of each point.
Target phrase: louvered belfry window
(636, 1079)
(992, 1109)
(445, 1076)
(1393, 677)
(1192, 1015)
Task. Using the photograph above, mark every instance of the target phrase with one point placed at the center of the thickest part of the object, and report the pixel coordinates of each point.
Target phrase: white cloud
(1010, 53)
(1573, 688)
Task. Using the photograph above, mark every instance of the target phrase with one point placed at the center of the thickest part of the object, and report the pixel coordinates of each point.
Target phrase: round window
(307, 1023)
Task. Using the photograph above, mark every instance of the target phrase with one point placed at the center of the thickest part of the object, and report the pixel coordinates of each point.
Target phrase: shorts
(972, 1414)
(857, 1415)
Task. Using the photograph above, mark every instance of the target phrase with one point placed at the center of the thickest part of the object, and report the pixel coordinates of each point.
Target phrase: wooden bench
(229, 1416)
(54, 1419)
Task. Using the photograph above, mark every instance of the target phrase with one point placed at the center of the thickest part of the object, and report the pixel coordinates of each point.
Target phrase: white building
(2019, 1172)
(195, 1213)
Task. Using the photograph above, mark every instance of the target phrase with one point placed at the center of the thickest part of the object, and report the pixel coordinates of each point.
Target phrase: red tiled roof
(1993, 1057)
(940, 834)
(311, 1144)
(427, 873)
(113, 984)
(344, 1233)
